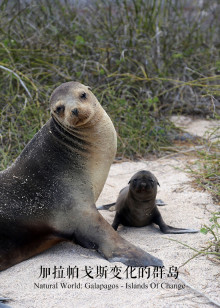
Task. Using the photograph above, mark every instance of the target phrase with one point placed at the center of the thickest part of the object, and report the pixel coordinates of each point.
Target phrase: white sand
(186, 207)
(198, 127)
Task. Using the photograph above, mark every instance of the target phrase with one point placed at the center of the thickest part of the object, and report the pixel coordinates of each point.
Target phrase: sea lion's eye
(134, 181)
(83, 96)
(60, 108)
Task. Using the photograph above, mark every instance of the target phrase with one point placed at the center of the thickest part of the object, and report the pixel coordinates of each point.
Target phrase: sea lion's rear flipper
(105, 206)
(168, 229)
(19, 242)
(4, 300)
(160, 202)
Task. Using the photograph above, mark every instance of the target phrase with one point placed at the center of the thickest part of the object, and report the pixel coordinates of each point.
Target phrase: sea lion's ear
(158, 183)
(129, 182)
(89, 88)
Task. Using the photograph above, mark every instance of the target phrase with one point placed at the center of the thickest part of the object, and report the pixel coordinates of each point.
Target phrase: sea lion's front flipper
(172, 230)
(168, 229)
(95, 232)
(116, 221)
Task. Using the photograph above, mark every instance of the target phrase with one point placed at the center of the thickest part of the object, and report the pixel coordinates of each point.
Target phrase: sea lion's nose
(143, 184)
(75, 111)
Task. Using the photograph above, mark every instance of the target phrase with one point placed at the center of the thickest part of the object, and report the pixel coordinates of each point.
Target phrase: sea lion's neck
(72, 139)
(148, 199)
(96, 143)
(103, 149)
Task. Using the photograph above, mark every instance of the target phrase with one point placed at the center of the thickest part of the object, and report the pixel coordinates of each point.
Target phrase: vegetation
(206, 170)
(206, 173)
(143, 59)
(214, 228)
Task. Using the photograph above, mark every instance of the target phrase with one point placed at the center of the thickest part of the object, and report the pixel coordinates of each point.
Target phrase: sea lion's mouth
(143, 187)
(142, 190)
(66, 127)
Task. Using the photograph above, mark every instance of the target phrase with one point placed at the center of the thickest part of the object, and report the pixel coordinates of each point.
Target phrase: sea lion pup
(136, 205)
(48, 194)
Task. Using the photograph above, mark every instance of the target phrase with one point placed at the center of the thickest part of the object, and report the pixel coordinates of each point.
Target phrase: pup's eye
(60, 108)
(83, 96)
(134, 181)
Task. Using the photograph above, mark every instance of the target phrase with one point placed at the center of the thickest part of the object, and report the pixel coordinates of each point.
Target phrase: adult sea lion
(48, 194)
(136, 205)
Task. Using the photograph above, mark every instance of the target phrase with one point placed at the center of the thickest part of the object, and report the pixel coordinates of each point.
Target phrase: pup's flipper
(105, 207)
(168, 229)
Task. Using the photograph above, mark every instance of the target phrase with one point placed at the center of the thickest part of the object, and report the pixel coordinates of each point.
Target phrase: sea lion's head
(72, 104)
(143, 185)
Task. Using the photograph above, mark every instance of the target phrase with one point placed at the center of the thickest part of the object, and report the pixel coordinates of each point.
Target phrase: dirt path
(186, 207)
